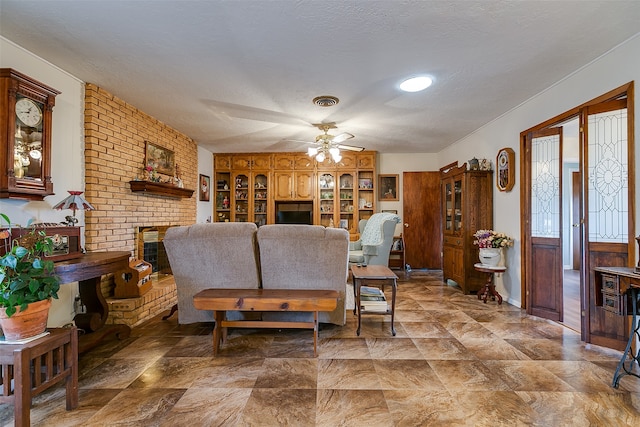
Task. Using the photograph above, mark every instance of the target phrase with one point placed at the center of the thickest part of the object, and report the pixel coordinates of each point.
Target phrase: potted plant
(27, 282)
(491, 243)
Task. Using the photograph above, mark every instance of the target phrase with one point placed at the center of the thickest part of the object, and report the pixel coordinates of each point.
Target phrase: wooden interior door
(543, 232)
(609, 192)
(576, 220)
(422, 226)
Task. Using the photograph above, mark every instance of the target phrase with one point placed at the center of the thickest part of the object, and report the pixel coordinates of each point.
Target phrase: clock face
(503, 159)
(28, 112)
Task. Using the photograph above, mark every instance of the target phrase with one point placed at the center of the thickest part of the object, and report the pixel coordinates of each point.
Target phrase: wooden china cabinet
(248, 187)
(467, 206)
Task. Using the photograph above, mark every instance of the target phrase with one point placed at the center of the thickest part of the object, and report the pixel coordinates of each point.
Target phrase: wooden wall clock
(26, 107)
(506, 169)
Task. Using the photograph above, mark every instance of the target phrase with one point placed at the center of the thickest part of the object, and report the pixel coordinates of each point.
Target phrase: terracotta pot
(25, 324)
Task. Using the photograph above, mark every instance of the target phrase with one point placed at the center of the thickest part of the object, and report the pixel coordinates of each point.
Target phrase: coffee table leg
(217, 331)
(394, 288)
(315, 334)
(356, 289)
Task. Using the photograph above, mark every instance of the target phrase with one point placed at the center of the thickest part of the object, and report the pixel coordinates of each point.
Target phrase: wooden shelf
(160, 189)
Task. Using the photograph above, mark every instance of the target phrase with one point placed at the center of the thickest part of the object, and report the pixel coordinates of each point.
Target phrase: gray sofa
(241, 255)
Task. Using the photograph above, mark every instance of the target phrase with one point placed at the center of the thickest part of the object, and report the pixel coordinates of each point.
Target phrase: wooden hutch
(467, 206)
(253, 187)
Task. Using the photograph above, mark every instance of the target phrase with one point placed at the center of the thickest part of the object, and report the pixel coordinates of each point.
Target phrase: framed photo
(161, 159)
(204, 188)
(388, 187)
(506, 169)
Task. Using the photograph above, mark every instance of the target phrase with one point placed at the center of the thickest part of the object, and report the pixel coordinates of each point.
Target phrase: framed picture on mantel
(161, 159)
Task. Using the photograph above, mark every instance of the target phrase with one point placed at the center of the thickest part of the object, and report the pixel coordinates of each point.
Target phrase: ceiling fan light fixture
(320, 157)
(416, 84)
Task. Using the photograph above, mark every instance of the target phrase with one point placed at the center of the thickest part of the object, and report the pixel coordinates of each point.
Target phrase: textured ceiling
(239, 76)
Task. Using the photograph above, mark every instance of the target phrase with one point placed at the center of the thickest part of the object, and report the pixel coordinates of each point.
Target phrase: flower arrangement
(153, 176)
(492, 239)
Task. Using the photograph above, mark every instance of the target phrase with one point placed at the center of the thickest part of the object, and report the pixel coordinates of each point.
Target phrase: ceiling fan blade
(301, 141)
(342, 137)
(350, 147)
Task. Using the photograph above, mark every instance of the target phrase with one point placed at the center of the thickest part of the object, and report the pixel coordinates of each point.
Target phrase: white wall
(617, 67)
(205, 167)
(67, 155)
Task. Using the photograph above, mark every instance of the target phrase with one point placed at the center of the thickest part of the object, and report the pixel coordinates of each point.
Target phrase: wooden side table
(489, 287)
(33, 367)
(376, 275)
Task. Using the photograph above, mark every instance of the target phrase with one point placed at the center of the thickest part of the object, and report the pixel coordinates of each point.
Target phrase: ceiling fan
(329, 146)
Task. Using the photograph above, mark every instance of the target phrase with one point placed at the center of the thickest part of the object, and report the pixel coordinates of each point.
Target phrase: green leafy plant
(25, 277)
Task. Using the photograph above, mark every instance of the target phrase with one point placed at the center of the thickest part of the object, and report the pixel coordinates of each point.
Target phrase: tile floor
(454, 362)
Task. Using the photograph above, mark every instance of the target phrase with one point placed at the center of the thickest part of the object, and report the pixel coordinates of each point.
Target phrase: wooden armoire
(467, 206)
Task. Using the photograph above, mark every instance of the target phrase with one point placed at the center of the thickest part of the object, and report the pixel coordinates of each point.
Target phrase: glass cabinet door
(241, 198)
(260, 198)
(448, 206)
(457, 205)
(223, 197)
(347, 209)
(327, 191)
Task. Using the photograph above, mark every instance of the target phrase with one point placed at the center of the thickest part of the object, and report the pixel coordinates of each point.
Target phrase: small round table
(489, 286)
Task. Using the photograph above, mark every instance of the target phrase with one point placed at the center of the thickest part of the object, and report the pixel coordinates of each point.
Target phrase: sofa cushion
(305, 257)
(215, 255)
(356, 256)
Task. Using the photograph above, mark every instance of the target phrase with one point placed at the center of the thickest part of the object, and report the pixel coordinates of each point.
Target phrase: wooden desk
(221, 300)
(631, 287)
(489, 287)
(376, 275)
(31, 368)
(87, 270)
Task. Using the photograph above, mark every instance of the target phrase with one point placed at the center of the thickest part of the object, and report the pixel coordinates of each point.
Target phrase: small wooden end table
(31, 368)
(376, 275)
(489, 286)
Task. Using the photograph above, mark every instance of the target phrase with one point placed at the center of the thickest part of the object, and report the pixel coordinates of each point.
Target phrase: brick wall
(115, 135)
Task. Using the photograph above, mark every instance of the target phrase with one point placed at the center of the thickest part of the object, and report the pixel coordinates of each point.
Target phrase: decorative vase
(25, 324)
(490, 256)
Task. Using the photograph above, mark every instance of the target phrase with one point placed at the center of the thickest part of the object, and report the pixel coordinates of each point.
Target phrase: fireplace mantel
(160, 189)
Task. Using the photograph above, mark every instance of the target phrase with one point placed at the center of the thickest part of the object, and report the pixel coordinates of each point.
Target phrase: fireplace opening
(151, 249)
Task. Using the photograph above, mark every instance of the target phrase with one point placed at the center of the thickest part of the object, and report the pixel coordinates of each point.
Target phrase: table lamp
(73, 201)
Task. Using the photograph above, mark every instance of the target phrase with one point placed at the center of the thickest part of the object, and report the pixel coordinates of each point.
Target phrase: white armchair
(376, 238)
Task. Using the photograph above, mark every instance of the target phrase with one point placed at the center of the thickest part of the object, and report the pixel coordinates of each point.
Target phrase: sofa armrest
(355, 246)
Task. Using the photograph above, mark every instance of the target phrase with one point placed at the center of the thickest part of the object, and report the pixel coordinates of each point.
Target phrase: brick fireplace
(115, 138)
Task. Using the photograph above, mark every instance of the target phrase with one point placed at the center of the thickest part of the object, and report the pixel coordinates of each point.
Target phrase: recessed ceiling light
(416, 84)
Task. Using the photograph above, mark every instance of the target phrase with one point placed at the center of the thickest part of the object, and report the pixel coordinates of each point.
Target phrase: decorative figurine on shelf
(225, 203)
(177, 179)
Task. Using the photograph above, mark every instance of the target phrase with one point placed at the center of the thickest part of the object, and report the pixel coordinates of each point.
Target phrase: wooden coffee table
(375, 275)
(221, 300)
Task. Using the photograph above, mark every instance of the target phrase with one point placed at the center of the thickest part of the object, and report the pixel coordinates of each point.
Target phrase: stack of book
(372, 299)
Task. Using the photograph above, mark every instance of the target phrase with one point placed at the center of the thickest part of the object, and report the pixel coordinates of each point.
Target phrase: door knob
(406, 225)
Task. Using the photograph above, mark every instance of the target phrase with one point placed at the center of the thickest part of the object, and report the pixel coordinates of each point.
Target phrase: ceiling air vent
(325, 101)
